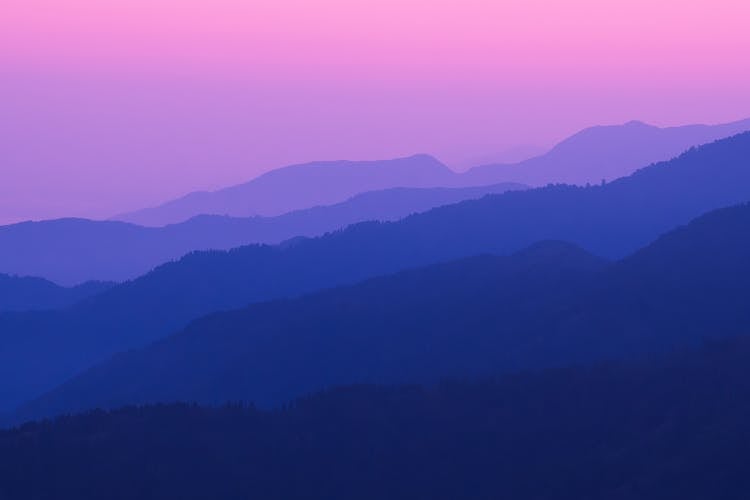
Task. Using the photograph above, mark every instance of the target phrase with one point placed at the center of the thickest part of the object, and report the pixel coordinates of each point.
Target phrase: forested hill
(673, 428)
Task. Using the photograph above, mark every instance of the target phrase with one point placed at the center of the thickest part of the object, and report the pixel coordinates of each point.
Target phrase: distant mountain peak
(637, 123)
(424, 157)
(301, 186)
(612, 221)
(588, 156)
(606, 152)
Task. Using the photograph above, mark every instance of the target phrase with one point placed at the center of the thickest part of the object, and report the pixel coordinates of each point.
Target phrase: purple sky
(108, 106)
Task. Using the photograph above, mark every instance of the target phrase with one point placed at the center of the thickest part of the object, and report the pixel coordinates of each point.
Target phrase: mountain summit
(38, 351)
(299, 186)
(589, 156)
(605, 153)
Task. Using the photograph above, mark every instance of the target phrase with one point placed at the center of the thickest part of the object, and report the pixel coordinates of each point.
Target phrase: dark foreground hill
(611, 220)
(550, 305)
(20, 293)
(666, 429)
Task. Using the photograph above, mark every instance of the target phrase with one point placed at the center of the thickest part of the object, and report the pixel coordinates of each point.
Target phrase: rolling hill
(550, 305)
(593, 154)
(71, 251)
(298, 187)
(669, 428)
(20, 293)
(605, 153)
(611, 220)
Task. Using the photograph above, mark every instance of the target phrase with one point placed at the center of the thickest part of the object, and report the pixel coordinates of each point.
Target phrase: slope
(610, 220)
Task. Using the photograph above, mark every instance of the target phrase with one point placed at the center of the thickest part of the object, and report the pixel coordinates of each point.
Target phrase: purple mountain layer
(596, 153)
(298, 187)
(28, 294)
(604, 153)
(40, 350)
(71, 251)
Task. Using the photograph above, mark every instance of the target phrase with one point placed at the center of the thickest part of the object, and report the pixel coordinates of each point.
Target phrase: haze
(111, 106)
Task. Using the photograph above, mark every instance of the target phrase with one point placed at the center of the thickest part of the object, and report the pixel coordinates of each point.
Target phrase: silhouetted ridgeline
(298, 187)
(590, 155)
(550, 305)
(70, 251)
(609, 220)
(605, 152)
(19, 293)
(667, 429)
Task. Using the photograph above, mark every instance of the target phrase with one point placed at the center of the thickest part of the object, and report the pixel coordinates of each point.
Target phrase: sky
(111, 105)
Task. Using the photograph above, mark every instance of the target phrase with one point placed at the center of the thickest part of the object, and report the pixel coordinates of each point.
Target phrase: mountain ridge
(611, 221)
(588, 156)
(118, 251)
(298, 187)
(547, 306)
(607, 152)
(597, 432)
(23, 293)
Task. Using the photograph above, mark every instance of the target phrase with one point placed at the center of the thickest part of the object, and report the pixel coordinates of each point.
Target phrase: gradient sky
(111, 105)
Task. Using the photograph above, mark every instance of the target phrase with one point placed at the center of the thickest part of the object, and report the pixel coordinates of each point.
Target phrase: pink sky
(111, 105)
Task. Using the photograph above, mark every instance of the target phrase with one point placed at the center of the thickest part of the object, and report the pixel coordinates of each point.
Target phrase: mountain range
(26, 294)
(611, 221)
(604, 153)
(586, 339)
(71, 251)
(673, 427)
(298, 187)
(593, 154)
(550, 305)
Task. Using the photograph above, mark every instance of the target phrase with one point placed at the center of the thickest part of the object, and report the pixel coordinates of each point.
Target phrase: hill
(610, 220)
(605, 152)
(71, 251)
(668, 428)
(20, 293)
(416, 326)
(549, 305)
(593, 154)
(299, 186)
